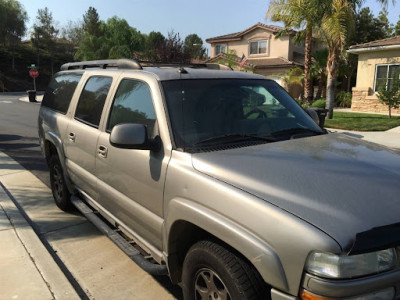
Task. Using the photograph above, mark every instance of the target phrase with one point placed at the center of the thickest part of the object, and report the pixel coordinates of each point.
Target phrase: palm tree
(305, 14)
(318, 70)
(336, 26)
(293, 79)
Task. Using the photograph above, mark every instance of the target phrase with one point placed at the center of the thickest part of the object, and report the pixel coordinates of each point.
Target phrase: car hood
(341, 185)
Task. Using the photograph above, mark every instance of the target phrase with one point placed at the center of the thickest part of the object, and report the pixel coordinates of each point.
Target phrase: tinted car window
(133, 104)
(204, 111)
(91, 101)
(60, 90)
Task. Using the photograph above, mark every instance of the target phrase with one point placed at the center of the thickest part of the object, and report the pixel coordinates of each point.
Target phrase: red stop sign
(33, 73)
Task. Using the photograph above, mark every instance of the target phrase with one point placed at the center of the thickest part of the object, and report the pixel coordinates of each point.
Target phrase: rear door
(82, 134)
(131, 182)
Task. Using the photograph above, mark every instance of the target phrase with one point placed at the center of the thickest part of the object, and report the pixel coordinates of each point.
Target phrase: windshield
(222, 112)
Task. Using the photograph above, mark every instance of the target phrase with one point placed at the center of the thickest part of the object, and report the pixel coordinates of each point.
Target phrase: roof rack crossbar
(103, 64)
(136, 65)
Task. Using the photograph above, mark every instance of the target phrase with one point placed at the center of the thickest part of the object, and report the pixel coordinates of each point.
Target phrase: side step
(123, 244)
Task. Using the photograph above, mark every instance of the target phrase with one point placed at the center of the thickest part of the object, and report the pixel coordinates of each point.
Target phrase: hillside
(19, 80)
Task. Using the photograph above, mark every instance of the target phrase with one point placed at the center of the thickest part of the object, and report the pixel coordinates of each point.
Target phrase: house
(378, 61)
(266, 54)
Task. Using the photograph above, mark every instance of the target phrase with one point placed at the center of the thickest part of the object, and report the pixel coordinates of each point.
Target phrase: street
(94, 266)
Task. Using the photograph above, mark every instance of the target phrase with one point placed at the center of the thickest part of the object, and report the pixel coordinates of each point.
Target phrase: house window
(220, 48)
(258, 47)
(385, 74)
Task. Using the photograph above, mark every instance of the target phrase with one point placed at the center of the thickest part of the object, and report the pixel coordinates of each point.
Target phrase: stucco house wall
(370, 55)
(282, 53)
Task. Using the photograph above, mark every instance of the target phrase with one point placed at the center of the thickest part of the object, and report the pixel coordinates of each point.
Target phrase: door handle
(71, 136)
(102, 151)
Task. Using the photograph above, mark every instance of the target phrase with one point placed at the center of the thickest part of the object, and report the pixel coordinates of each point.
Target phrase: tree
(336, 26)
(72, 33)
(194, 45)
(293, 79)
(91, 48)
(386, 25)
(153, 44)
(300, 14)
(91, 22)
(368, 27)
(121, 39)
(44, 34)
(397, 27)
(13, 19)
(318, 70)
(173, 50)
(92, 44)
(390, 94)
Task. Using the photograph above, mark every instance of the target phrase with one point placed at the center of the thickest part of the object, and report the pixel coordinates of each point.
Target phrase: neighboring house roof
(239, 35)
(265, 63)
(385, 44)
(276, 62)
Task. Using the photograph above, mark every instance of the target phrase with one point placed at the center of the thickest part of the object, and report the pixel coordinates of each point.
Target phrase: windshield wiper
(297, 131)
(235, 137)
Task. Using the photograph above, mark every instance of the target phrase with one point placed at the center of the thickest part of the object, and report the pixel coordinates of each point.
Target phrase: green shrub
(320, 103)
(343, 99)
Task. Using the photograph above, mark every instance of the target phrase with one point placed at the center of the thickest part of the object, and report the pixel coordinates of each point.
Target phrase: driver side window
(133, 104)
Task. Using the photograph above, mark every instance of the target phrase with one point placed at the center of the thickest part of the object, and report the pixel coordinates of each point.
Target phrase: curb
(34, 271)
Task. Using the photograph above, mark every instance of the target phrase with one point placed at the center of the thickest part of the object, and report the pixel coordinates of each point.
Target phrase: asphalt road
(19, 135)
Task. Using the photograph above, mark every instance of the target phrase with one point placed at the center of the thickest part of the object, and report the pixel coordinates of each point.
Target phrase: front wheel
(58, 186)
(211, 271)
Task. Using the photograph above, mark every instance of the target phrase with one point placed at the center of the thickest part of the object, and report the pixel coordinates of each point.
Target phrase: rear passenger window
(91, 101)
(133, 104)
(60, 91)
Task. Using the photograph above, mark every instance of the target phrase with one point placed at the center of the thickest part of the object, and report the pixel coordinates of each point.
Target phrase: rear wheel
(211, 271)
(58, 186)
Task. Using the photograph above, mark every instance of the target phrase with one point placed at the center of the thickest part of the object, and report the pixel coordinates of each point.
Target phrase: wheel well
(183, 235)
(49, 150)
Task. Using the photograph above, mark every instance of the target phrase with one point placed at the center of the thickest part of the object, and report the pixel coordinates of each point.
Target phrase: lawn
(362, 122)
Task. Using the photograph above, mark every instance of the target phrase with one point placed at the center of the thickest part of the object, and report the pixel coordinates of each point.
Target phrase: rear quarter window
(60, 91)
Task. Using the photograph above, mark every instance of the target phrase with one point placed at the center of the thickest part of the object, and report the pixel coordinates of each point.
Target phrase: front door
(131, 182)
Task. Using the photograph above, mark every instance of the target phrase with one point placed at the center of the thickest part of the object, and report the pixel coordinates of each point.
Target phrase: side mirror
(313, 114)
(133, 136)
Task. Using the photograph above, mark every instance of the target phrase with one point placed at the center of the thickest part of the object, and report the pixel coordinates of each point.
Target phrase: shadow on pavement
(26, 151)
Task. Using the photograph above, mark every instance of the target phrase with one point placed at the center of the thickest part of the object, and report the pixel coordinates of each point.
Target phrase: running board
(123, 244)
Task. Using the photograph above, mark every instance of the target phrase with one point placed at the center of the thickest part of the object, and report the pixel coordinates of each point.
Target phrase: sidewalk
(28, 270)
(49, 254)
(389, 138)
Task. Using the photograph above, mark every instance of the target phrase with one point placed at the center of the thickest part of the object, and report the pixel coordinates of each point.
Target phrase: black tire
(211, 271)
(59, 188)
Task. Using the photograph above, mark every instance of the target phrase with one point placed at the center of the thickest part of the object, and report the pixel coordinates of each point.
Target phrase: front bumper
(353, 287)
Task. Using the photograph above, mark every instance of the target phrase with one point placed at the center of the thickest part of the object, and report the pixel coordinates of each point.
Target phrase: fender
(54, 139)
(260, 254)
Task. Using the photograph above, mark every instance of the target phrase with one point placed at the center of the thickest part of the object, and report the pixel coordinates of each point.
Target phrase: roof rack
(136, 65)
(103, 64)
(210, 66)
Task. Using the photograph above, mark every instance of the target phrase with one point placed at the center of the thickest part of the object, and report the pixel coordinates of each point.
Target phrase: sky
(206, 18)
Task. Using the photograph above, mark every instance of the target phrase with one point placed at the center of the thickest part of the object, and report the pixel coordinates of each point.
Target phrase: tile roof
(238, 35)
(257, 63)
(379, 43)
(274, 62)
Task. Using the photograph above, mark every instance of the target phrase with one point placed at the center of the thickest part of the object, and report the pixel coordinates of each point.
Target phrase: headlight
(330, 265)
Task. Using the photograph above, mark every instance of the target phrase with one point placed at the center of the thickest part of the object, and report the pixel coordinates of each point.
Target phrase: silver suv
(224, 181)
